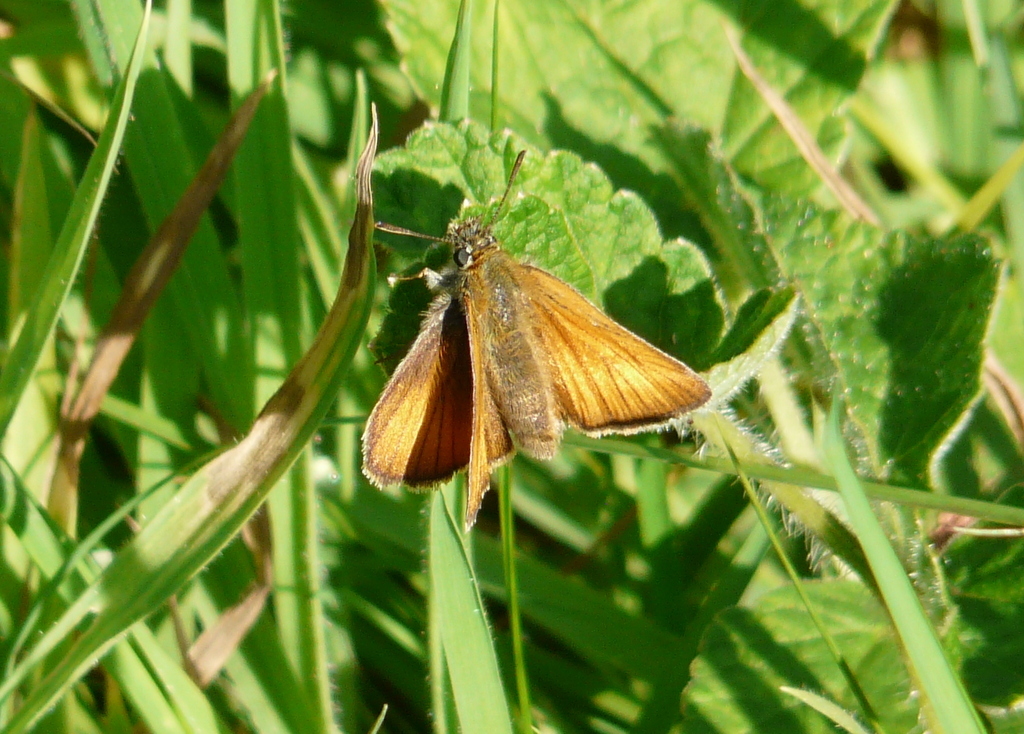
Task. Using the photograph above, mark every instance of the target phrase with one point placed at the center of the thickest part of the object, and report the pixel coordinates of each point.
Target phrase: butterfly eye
(462, 257)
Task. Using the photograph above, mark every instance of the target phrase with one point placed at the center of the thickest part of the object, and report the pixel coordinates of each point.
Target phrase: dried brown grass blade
(1006, 394)
(205, 658)
(801, 136)
(211, 651)
(1010, 402)
(144, 284)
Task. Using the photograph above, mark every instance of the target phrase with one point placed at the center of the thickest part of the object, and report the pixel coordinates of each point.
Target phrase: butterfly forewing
(419, 433)
(607, 379)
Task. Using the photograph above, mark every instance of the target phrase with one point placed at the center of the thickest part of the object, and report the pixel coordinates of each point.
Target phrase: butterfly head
(473, 236)
(468, 239)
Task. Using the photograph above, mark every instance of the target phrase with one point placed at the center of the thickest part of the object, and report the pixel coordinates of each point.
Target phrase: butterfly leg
(444, 281)
(428, 275)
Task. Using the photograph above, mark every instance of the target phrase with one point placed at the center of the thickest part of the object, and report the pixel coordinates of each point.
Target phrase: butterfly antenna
(511, 179)
(395, 229)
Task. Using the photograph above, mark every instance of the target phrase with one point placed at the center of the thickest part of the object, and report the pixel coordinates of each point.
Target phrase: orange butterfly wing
(491, 443)
(607, 379)
(420, 431)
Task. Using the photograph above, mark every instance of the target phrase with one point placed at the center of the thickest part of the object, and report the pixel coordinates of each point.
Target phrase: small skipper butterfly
(507, 356)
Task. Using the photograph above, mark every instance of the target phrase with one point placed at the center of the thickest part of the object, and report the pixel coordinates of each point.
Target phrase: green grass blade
(73, 564)
(142, 420)
(985, 198)
(162, 152)
(910, 497)
(524, 717)
(495, 78)
(455, 91)
(472, 664)
(72, 243)
(318, 223)
(212, 506)
(68, 571)
(762, 514)
(442, 702)
(380, 720)
(31, 244)
(834, 713)
(943, 692)
(976, 32)
(160, 688)
(269, 247)
(178, 43)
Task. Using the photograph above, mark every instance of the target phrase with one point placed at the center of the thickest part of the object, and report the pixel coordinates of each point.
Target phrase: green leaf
(902, 320)
(748, 654)
(812, 53)
(755, 316)
(764, 322)
(570, 68)
(710, 189)
(563, 216)
(986, 579)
